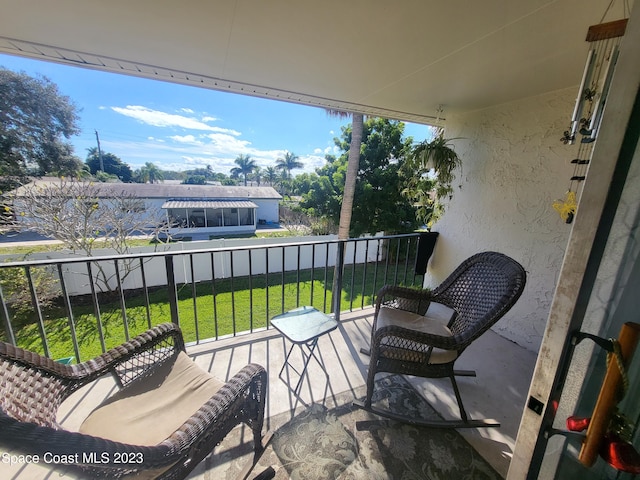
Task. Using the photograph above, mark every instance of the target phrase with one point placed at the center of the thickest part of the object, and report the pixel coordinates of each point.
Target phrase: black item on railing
(426, 245)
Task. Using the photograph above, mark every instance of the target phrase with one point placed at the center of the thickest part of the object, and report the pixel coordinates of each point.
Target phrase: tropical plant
(270, 175)
(150, 173)
(245, 167)
(288, 163)
(283, 180)
(429, 174)
(257, 175)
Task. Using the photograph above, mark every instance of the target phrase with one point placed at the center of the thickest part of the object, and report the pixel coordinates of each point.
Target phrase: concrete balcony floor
(499, 391)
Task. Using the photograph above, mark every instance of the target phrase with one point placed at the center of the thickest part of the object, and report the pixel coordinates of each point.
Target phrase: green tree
(245, 167)
(112, 164)
(301, 183)
(378, 204)
(35, 121)
(150, 173)
(195, 180)
(207, 172)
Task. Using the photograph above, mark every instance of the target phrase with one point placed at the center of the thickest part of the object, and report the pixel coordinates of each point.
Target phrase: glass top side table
(303, 327)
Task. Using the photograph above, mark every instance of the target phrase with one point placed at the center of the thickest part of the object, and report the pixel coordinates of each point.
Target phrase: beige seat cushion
(412, 321)
(150, 410)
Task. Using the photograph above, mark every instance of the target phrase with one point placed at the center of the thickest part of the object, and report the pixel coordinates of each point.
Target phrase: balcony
(499, 391)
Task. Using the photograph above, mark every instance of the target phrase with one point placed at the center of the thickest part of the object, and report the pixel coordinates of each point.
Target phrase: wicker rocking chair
(405, 341)
(167, 416)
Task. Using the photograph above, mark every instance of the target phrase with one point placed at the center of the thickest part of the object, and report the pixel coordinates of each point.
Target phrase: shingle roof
(173, 191)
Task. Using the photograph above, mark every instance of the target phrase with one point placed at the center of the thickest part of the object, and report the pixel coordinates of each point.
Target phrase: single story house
(198, 211)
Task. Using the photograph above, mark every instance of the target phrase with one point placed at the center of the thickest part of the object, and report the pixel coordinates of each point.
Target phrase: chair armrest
(409, 299)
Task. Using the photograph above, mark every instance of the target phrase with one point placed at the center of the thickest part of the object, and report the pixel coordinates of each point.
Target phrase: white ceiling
(398, 59)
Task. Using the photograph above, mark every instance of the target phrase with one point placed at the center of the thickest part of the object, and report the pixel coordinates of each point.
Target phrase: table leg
(311, 347)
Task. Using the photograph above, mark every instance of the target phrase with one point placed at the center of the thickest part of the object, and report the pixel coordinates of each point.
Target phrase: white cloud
(228, 143)
(227, 131)
(190, 139)
(311, 163)
(157, 118)
(334, 150)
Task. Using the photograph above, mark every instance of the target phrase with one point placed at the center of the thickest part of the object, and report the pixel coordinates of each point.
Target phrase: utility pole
(99, 152)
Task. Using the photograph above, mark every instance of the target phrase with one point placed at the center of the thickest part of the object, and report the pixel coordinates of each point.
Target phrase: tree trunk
(352, 173)
(347, 205)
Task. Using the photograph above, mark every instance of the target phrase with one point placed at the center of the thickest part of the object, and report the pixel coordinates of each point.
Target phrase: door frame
(590, 230)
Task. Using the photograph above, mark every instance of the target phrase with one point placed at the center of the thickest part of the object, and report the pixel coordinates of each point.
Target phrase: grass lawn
(213, 310)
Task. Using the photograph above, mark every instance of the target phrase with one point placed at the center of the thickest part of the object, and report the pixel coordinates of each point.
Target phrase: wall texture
(514, 168)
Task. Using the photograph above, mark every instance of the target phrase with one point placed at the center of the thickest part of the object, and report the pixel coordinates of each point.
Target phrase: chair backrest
(481, 290)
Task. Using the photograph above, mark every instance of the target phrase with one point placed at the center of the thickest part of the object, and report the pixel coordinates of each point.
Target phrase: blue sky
(179, 127)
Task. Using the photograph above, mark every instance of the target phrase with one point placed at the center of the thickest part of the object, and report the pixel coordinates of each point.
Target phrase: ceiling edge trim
(113, 65)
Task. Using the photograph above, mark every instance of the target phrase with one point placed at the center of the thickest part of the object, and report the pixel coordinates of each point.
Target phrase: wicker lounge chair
(166, 417)
(405, 341)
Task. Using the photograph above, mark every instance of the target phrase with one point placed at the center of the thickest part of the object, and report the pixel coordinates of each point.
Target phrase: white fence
(202, 261)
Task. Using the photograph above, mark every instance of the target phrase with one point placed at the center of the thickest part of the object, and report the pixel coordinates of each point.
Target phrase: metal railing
(81, 307)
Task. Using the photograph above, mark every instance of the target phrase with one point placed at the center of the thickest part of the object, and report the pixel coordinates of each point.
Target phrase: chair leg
(371, 378)
(258, 445)
(463, 413)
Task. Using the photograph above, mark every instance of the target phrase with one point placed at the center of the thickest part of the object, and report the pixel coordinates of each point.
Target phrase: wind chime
(604, 40)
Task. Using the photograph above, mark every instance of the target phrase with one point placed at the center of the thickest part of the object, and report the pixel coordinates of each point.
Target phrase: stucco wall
(514, 167)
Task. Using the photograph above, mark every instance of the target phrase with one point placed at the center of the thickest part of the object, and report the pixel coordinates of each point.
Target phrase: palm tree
(288, 163)
(246, 165)
(352, 172)
(150, 173)
(270, 175)
(257, 175)
(282, 179)
(346, 209)
(353, 163)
